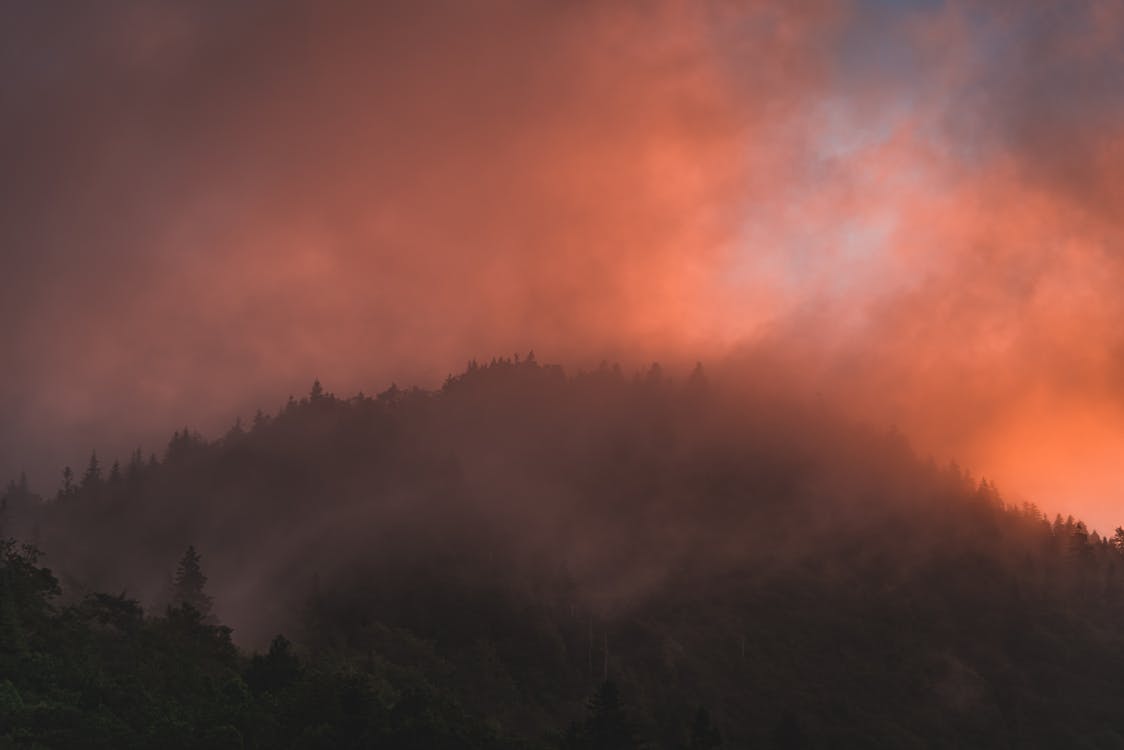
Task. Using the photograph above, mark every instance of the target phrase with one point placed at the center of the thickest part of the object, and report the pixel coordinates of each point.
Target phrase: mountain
(529, 557)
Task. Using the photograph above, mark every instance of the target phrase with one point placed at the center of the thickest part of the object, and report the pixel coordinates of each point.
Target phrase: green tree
(26, 591)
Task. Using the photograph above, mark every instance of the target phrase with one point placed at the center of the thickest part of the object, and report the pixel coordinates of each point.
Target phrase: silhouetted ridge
(710, 564)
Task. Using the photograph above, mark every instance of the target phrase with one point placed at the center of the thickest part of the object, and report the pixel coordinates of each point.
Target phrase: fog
(908, 209)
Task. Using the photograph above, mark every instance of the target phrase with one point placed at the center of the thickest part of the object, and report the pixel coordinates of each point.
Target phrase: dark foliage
(101, 674)
(189, 583)
(583, 560)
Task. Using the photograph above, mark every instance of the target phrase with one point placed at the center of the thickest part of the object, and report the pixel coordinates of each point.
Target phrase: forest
(526, 558)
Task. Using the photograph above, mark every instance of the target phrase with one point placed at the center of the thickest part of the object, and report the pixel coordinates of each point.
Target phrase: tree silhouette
(115, 473)
(1118, 540)
(187, 587)
(277, 669)
(608, 727)
(697, 383)
(940, 597)
(67, 482)
(1080, 550)
(92, 478)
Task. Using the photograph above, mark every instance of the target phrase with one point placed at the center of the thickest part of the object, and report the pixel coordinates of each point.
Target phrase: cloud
(909, 207)
(213, 204)
(979, 311)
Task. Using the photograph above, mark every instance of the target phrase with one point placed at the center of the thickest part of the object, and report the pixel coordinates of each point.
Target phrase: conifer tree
(608, 727)
(92, 478)
(188, 585)
(67, 482)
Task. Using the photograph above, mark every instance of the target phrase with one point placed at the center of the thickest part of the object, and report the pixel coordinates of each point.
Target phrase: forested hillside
(527, 558)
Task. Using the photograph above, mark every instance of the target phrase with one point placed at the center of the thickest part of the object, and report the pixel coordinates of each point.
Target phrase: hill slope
(515, 538)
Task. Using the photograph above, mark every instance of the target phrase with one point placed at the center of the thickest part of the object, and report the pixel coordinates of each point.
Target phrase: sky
(909, 208)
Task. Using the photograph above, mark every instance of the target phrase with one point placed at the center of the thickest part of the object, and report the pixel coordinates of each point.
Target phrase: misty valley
(525, 558)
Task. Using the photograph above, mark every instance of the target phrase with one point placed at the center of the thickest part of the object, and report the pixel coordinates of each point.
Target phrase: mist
(529, 374)
(611, 487)
(907, 209)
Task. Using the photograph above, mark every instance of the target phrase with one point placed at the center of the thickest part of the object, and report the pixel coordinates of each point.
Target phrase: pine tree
(187, 588)
(237, 432)
(1080, 550)
(1118, 540)
(276, 669)
(91, 480)
(136, 465)
(67, 482)
(697, 383)
(608, 727)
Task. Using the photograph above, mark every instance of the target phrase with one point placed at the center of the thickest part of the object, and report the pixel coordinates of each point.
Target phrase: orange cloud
(913, 211)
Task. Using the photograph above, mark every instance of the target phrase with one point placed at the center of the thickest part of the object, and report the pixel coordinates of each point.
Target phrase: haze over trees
(189, 583)
(529, 558)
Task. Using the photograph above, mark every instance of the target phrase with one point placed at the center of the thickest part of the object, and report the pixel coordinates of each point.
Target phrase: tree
(697, 383)
(136, 465)
(92, 478)
(1080, 551)
(235, 433)
(26, 591)
(1118, 540)
(182, 445)
(608, 727)
(276, 669)
(67, 481)
(187, 587)
(390, 395)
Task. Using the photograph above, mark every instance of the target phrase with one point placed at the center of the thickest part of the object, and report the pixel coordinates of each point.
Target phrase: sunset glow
(912, 209)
